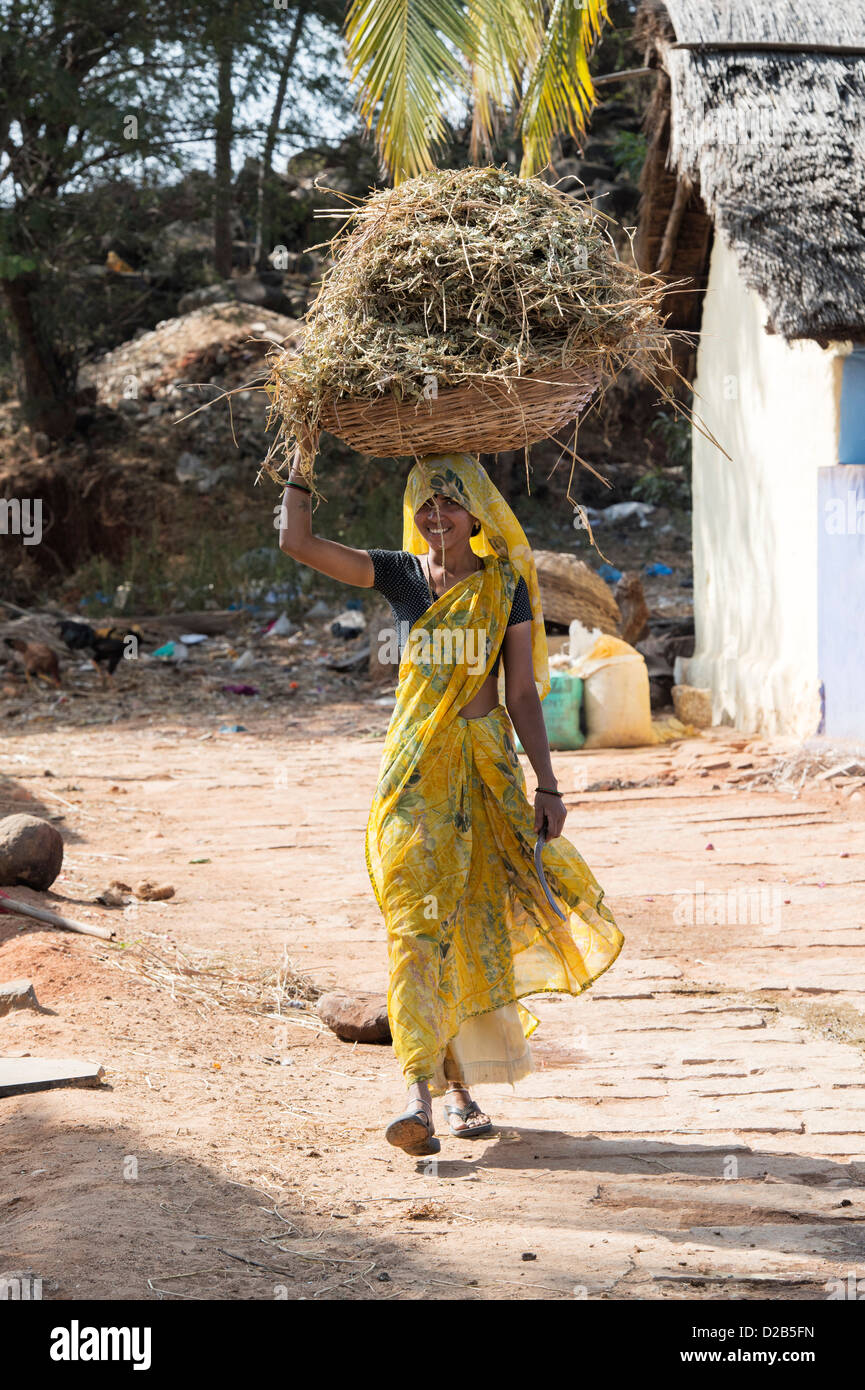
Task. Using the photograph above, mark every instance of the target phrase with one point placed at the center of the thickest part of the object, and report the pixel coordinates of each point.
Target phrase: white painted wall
(775, 409)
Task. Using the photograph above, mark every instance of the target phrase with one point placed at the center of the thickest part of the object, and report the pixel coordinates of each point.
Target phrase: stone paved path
(695, 1125)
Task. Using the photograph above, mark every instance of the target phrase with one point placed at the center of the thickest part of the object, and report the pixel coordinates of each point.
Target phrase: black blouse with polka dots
(401, 578)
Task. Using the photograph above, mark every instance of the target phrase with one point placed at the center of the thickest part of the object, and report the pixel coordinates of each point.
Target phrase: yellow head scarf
(462, 478)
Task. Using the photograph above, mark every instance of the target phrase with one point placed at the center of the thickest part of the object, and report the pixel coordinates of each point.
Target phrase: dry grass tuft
(210, 981)
(426, 1211)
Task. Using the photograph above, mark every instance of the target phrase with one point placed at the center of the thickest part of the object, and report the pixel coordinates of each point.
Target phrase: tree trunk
(224, 138)
(46, 399)
(263, 219)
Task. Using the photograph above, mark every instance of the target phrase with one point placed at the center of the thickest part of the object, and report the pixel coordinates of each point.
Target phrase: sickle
(539, 869)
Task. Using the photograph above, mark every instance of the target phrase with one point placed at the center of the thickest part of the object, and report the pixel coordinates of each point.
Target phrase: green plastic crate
(561, 711)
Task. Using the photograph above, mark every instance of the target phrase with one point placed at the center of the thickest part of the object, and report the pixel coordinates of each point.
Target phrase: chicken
(633, 607)
(118, 265)
(104, 645)
(37, 659)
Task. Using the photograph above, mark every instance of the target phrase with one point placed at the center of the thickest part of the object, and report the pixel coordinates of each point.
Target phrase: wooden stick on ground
(42, 915)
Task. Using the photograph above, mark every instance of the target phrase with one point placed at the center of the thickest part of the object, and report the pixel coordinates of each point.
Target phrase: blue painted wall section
(841, 596)
(851, 447)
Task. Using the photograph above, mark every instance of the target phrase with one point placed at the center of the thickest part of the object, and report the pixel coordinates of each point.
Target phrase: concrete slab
(18, 1075)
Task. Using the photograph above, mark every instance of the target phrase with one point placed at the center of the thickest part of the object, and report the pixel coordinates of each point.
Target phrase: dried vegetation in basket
(459, 277)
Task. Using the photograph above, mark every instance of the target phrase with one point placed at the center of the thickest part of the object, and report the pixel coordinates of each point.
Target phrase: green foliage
(670, 485)
(365, 506)
(218, 567)
(102, 103)
(558, 92)
(661, 490)
(11, 266)
(409, 52)
(205, 562)
(674, 432)
(415, 60)
(629, 153)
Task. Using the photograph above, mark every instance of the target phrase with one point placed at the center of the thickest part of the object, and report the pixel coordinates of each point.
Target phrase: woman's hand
(343, 562)
(553, 808)
(524, 707)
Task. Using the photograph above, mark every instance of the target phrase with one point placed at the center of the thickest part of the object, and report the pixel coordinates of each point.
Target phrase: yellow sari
(450, 838)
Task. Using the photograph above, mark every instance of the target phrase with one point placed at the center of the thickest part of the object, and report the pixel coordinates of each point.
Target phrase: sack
(616, 698)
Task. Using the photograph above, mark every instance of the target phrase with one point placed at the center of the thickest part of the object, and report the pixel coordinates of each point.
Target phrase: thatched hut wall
(762, 109)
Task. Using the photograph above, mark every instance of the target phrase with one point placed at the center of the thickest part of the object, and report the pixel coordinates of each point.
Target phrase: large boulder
(356, 1017)
(31, 852)
(247, 289)
(220, 293)
(182, 244)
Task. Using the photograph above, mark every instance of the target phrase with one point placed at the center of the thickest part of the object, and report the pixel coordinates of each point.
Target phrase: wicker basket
(487, 418)
(570, 589)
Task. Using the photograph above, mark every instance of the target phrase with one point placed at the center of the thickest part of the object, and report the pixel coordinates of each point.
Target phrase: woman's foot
(465, 1117)
(414, 1131)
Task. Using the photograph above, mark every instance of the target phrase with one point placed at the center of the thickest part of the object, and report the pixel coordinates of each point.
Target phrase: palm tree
(416, 59)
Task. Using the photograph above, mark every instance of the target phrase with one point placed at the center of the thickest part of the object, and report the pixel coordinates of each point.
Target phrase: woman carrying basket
(451, 834)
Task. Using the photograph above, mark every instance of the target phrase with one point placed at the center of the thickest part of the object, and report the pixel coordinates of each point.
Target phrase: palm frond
(409, 57)
(506, 36)
(560, 92)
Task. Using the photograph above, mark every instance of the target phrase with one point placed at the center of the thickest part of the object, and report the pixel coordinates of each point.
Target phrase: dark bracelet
(300, 487)
(546, 791)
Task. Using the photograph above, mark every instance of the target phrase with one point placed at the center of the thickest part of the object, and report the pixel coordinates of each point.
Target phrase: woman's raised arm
(296, 539)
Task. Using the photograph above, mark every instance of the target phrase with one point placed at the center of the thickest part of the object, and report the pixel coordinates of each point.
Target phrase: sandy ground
(693, 1129)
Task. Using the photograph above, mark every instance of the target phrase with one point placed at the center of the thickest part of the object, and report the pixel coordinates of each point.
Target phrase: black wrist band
(547, 792)
(300, 487)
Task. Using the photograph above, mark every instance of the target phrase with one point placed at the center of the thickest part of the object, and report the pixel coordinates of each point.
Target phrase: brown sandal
(414, 1132)
(464, 1113)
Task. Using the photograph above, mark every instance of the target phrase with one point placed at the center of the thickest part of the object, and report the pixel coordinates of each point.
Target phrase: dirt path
(694, 1128)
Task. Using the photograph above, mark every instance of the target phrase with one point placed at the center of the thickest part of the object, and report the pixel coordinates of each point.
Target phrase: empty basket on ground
(571, 589)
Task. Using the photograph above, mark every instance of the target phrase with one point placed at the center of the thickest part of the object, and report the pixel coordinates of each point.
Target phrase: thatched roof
(758, 125)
